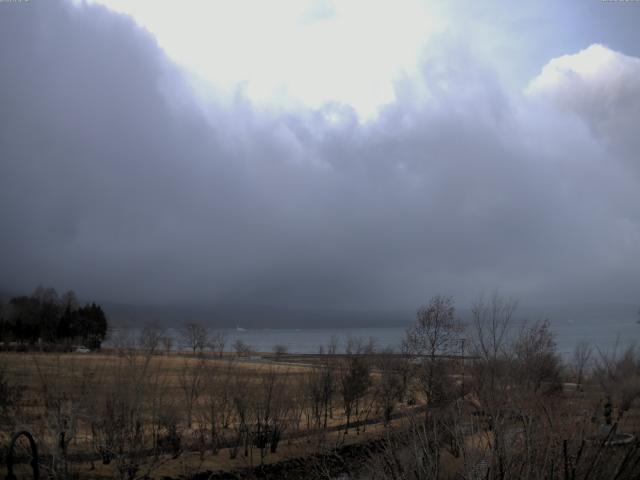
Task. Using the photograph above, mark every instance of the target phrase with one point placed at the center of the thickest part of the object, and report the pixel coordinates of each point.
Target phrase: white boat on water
(240, 329)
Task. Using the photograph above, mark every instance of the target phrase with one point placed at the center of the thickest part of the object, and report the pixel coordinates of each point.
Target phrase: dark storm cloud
(116, 182)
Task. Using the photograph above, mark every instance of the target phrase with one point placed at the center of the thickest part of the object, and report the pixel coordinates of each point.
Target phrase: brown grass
(90, 376)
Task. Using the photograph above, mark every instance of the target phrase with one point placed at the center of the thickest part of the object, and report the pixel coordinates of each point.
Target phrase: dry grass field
(175, 415)
(514, 409)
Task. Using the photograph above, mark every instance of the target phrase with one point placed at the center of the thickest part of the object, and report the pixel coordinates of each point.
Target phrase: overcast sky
(321, 154)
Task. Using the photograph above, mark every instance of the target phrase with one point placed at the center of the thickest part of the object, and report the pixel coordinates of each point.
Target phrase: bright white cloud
(292, 52)
(596, 83)
(602, 88)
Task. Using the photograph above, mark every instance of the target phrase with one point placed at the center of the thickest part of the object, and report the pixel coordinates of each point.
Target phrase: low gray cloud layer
(117, 182)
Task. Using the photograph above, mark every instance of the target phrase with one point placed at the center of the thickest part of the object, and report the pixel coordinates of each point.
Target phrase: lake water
(601, 334)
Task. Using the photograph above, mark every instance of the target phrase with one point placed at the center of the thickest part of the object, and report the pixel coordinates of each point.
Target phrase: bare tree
(389, 388)
(491, 327)
(581, 361)
(355, 381)
(123, 427)
(125, 343)
(194, 336)
(436, 332)
(217, 396)
(313, 392)
(150, 338)
(218, 342)
(191, 380)
(328, 388)
(491, 335)
(332, 346)
(280, 350)
(269, 411)
(356, 346)
(167, 343)
(535, 362)
(242, 349)
(492, 323)
(241, 399)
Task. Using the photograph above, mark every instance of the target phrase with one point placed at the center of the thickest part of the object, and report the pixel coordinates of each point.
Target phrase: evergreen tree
(44, 316)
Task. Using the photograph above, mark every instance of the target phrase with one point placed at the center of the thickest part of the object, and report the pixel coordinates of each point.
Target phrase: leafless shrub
(11, 395)
(619, 376)
(169, 434)
(63, 408)
(412, 452)
(123, 431)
